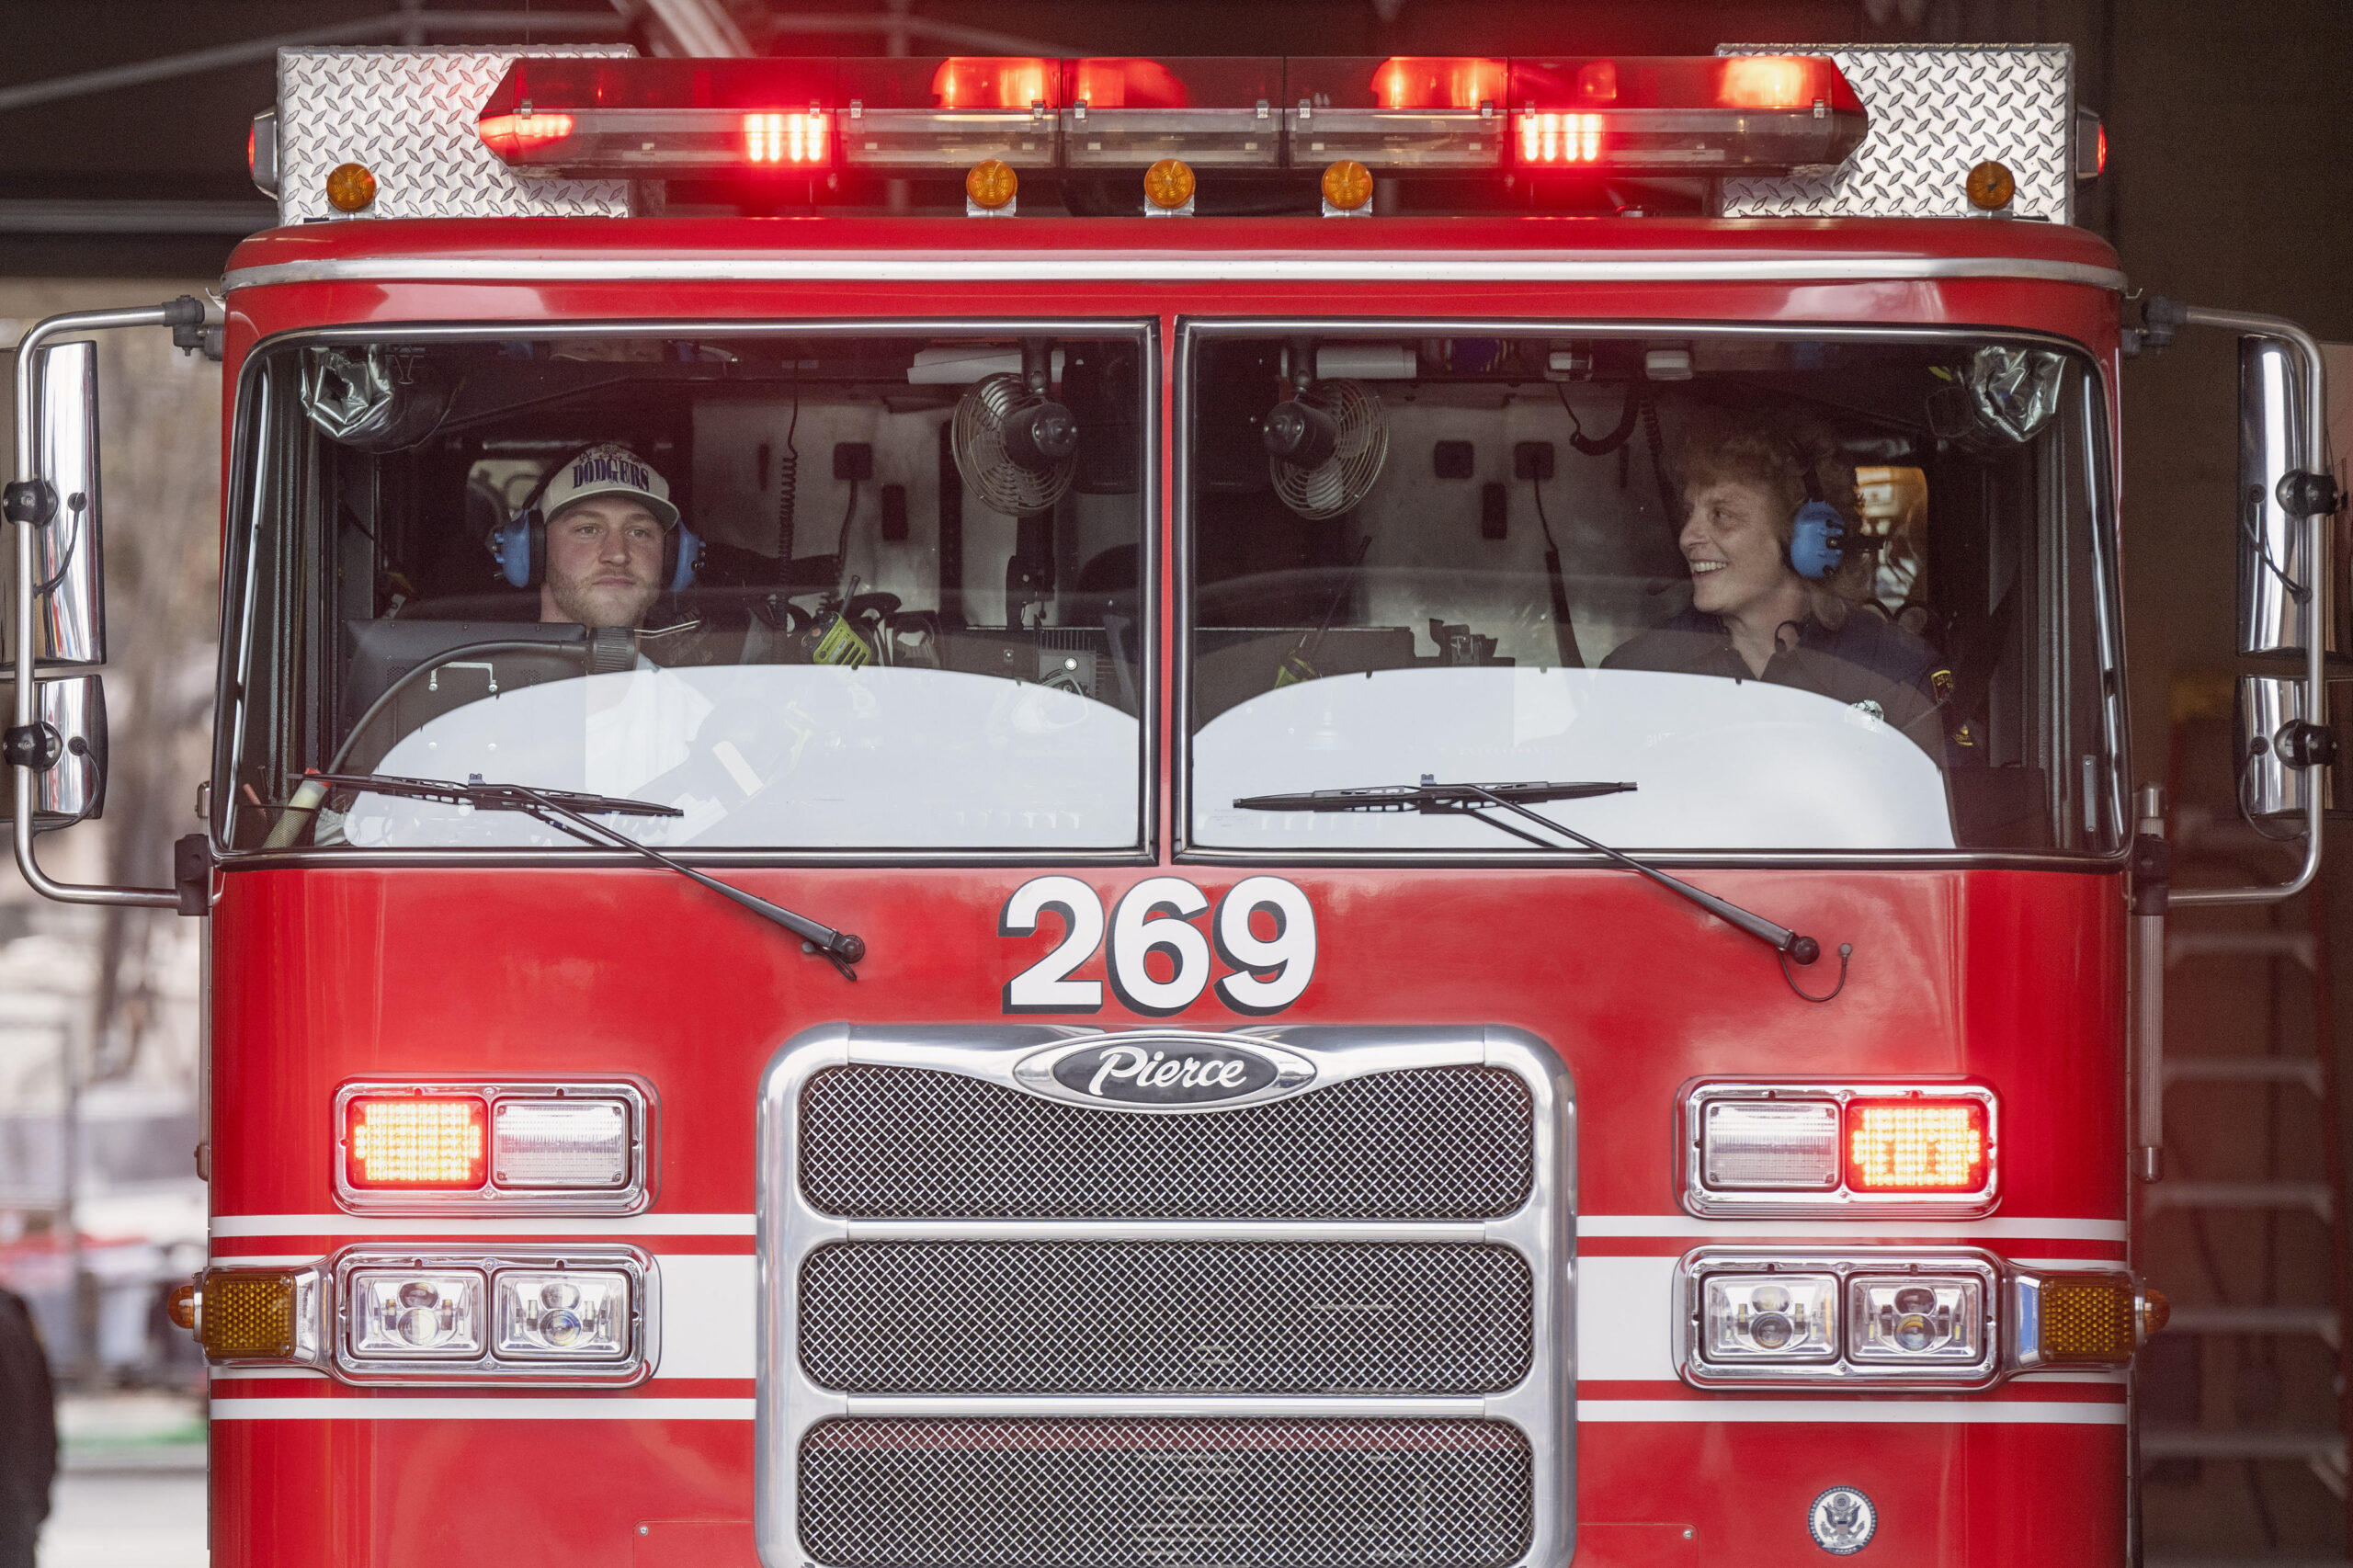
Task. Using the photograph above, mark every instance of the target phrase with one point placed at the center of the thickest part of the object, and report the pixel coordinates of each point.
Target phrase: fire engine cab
(1301, 813)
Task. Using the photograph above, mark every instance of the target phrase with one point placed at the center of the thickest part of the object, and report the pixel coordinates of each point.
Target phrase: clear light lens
(1769, 1145)
(1915, 1145)
(416, 1142)
(405, 1314)
(569, 1315)
(581, 1145)
(1769, 1317)
(1916, 1320)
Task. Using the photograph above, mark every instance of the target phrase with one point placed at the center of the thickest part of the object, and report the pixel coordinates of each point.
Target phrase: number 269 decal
(1268, 974)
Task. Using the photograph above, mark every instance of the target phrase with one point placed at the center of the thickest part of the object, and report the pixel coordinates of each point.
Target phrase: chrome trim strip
(898, 267)
(1542, 1405)
(1731, 1203)
(631, 1198)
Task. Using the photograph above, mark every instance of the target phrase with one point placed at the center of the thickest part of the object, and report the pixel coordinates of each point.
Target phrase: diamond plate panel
(1934, 114)
(408, 114)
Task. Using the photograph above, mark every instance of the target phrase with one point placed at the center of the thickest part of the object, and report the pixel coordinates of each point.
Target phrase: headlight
(1781, 1318)
(1916, 1320)
(576, 1315)
(585, 1316)
(402, 1315)
(1889, 1317)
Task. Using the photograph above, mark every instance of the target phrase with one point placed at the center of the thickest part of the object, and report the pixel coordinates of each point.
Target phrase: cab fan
(1016, 447)
(1326, 446)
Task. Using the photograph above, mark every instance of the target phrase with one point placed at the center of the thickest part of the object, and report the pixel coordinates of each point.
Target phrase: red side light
(414, 1142)
(1409, 82)
(1127, 83)
(1560, 140)
(1765, 80)
(510, 135)
(1916, 1145)
(980, 82)
(251, 171)
(786, 140)
(2103, 149)
(1597, 81)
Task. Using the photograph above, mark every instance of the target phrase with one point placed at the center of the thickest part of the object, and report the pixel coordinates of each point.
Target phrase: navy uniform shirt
(1869, 663)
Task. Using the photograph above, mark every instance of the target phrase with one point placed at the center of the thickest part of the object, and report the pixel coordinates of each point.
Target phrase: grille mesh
(1114, 1494)
(1428, 1144)
(1145, 1317)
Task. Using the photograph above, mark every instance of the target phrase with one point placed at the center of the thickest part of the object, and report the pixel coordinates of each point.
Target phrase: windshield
(807, 589)
(1801, 593)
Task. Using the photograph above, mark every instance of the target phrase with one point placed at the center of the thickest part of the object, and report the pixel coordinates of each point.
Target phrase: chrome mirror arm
(30, 508)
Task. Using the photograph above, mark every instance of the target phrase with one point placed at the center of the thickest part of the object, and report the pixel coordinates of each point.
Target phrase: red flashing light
(1118, 83)
(2102, 167)
(1560, 139)
(785, 140)
(1767, 81)
(1426, 82)
(412, 1142)
(970, 82)
(1916, 1145)
(510, 135)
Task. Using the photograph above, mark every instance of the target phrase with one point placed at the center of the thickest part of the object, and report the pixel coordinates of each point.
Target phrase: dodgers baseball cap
(609, 469)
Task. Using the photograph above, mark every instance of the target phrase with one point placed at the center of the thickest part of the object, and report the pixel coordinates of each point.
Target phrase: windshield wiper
(1472, 801)
(562, 810)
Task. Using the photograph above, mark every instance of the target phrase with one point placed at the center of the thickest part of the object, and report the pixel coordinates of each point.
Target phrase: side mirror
(2280, 599)
(69, 604)
(68, 754)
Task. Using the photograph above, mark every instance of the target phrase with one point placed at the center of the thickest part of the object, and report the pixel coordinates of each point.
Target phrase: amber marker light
(351, 187)
(1347, 186)
(245, 1313)
(1169, 184)
(412, 1142)
(991, 185)
(1990, 187)
(1916, 1145)
(2087, 1319)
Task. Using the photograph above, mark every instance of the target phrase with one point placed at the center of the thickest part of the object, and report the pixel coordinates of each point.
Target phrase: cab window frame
(259, 471)
(2097, 498)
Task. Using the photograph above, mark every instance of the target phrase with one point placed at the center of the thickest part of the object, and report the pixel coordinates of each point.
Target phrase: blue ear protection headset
(520, 543)
(1817, 533)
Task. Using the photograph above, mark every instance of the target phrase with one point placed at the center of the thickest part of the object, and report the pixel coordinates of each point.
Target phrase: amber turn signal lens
(1168, 184)
(1990, 187)
(183, 1305)
(990, 184)
(246, 1312)
(2087, 1319)
(1347, 184)
(2156, 1313)
(351, 187)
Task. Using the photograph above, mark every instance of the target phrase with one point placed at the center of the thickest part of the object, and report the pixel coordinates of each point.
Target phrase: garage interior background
(2230, 183)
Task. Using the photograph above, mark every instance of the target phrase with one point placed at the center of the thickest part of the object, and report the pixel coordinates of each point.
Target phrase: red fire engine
(1375, 854)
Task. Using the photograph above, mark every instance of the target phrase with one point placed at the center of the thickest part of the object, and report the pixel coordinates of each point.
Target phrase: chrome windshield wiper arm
(562, 810)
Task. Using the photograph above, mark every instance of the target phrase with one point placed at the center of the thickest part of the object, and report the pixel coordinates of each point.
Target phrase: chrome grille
(1165, 1493)
(1426, 1143)
(1140, 1317)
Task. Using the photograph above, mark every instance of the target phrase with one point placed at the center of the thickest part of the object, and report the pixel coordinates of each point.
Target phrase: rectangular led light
(411, 1140)
(1769, 1317)
(563, 1314)
(1790, 1145)
(567, 1145)
(414, 1314)
(2086, 1320)
(1916, 1320)
(1915, 1145)
(247, 1312)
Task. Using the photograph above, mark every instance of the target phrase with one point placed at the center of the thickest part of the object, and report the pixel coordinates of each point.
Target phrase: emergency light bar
(608, 116)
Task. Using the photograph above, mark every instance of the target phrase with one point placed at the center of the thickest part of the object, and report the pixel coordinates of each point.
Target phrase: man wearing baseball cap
(608, 522)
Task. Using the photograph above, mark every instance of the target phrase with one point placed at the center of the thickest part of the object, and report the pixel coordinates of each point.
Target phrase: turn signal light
(2087, 1319)
(1168, 185)
(416, 1143)
(245, 1312)
(1915, 1145)
(351, 187)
